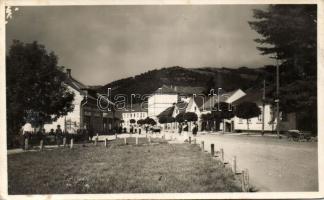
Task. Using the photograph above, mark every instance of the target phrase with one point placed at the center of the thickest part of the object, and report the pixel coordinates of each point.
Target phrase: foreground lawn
(120, 168)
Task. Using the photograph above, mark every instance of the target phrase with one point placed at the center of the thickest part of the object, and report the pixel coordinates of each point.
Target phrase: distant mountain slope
(225, 78)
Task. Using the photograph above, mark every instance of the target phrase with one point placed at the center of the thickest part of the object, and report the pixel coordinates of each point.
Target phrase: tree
(222, 111)
(132, 121)
(190, 116)
(247, 110)
(34, 87)
(149, 121)
(180, 118)
(140, 122)
(289, 34)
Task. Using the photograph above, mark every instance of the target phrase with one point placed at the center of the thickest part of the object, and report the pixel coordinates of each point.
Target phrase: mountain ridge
(208, 77)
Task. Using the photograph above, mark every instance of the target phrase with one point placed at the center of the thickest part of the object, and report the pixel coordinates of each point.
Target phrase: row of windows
(134, 115)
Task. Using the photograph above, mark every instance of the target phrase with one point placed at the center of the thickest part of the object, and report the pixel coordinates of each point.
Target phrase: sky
(106, 43)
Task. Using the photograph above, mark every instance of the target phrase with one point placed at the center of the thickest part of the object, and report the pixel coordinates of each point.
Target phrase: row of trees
(222, 111)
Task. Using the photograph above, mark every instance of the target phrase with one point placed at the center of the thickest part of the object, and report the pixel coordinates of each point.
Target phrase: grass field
(159, 167)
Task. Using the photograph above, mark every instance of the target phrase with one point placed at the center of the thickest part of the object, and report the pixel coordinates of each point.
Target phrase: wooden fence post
(116, 136)
(26, 144)
(247, 185)
(125, 140)
(222, 154)
(41, 144)
(189, 140)
(212, 150)
(234, 164)
(136, 140)
(106, 142)
(64, 141)
(243, 180)
(71, 143)
(202, 146)
(96, 140)
(149, 139)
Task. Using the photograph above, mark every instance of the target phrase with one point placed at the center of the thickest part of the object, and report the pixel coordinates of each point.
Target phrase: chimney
(68, 72)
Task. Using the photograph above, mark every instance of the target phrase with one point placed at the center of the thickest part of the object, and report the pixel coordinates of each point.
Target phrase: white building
(85, 113)
(135, 112)
(166, 96)
(287, 121)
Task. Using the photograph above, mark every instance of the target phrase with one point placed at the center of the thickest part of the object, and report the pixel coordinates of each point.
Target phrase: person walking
(180, 128)
(195, 129)
(27, 129)
(58, 135)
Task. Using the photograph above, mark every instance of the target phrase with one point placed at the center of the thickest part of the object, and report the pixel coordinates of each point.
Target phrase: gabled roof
(75, 84)
(252, 96)
(181, 106)
(167, 112)
(208, 102)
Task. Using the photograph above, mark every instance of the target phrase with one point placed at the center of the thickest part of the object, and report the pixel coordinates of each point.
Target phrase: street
(274, 165)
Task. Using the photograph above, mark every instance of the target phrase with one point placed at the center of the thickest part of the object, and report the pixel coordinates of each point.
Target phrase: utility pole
(263, 105)
(277, 98)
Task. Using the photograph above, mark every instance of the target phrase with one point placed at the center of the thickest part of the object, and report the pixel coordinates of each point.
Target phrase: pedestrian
(89, 132)
(40, 134)
(180, 128)
(195, 129)
(58, 134)
(27, 129)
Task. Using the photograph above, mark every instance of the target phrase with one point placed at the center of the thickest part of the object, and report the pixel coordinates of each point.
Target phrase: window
(284, 116)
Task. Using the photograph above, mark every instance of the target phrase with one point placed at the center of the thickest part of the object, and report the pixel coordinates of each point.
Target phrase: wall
(256, 122)
(157, 103)
(72, 118)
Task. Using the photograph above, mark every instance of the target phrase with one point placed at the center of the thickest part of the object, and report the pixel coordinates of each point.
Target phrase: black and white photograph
(161, 100)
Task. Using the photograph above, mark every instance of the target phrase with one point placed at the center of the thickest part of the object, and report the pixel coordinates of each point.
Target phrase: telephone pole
(263, 105)
(277, 98)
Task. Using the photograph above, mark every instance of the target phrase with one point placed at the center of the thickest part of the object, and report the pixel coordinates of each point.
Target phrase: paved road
(273, 164)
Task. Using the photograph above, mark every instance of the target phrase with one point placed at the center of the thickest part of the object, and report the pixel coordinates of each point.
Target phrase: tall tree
(34, 87)
(289, 34)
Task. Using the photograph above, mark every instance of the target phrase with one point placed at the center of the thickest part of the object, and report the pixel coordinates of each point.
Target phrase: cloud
(106, 43)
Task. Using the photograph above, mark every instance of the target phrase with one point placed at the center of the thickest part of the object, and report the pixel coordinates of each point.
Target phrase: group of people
(57, 135)
(184, 127)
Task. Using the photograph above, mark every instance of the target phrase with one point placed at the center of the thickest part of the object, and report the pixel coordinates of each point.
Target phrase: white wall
(255, 123)
(157, 103)
(132, 115)
(74, 116)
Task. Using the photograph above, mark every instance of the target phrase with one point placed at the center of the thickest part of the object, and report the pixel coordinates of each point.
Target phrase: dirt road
(273, 164)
